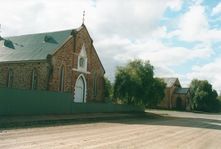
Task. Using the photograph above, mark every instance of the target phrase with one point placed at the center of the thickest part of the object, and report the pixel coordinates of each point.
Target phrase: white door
(79, 90)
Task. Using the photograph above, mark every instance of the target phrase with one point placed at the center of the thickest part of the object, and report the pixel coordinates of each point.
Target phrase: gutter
(23, 61)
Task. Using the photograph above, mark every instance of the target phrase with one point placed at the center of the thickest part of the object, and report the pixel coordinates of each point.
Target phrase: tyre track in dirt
(136, 133)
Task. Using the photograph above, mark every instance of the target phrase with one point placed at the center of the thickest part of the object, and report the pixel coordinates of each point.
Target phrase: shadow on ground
(176, 121)
(130, 119)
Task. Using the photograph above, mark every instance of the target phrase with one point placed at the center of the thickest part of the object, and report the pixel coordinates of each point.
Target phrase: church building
(61, 61)
(175, 97)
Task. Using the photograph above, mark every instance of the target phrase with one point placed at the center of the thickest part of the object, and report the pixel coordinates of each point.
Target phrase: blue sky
(181, 38)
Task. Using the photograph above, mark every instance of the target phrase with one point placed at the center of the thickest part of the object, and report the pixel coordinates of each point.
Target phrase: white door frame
(85, 87)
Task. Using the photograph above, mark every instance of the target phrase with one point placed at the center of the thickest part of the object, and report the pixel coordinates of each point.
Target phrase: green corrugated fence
(27, 102)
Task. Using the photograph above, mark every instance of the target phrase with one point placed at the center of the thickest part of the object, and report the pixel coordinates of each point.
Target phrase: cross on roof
(83, 17)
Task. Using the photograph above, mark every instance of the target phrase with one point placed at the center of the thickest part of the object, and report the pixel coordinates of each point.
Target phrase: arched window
(10, 78)
(95, 85)
(81, 62)
(61, 84)
(34, 80)
(82, 59)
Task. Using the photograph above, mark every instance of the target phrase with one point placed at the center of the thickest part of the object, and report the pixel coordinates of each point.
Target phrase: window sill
(80, 70)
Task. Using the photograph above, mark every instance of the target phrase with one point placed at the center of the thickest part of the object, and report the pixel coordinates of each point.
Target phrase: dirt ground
(171, 130)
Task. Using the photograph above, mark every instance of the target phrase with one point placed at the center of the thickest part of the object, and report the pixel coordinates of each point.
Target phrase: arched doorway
(179, 105)
(80, 90)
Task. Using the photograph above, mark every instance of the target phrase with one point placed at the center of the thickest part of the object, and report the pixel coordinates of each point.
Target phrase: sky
(180, 38)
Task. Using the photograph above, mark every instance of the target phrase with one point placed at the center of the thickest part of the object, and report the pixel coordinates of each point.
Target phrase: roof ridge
(169, 77)
(40, 33)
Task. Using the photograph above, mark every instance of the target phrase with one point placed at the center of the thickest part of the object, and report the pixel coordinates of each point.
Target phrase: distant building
(61, 61)
(175, 97)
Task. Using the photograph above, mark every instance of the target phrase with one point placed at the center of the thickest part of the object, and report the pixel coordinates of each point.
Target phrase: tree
(203, 96)
(156, 92)
(108, 91)
(134, 84)
(219, 98)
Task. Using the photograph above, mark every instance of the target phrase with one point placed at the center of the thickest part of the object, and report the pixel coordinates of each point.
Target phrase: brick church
(176, 97)
(61, 61)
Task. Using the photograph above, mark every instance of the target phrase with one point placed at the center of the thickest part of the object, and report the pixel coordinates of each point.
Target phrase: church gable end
(79, 58)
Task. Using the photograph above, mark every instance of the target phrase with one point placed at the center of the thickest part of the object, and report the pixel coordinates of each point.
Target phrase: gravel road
(170, 131)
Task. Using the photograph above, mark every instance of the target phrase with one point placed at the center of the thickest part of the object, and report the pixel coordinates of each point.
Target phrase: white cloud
(129, 18)
(160, 54)
(210, 72)
(217, 9)
(194, 26)
(41, 16)
(164, 71)
(193, 23)
(117, 51)
(175, 5)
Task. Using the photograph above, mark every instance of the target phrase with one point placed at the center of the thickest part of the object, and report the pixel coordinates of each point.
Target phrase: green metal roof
(182, 90)
(31, 47)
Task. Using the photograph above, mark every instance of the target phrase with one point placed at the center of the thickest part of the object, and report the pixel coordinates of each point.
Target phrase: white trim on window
(82, 59)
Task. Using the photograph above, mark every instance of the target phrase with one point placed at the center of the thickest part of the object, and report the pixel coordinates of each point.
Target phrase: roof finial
(83, 17)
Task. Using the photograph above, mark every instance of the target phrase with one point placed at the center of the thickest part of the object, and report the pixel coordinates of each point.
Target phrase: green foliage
(203, 96)
(156, 92)
(219, 98)
(108, 90)
(134, 84)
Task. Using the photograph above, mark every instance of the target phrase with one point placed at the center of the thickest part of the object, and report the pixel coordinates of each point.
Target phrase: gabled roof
(182, 90)
(32, 47)
(170, 81)
(35, 47)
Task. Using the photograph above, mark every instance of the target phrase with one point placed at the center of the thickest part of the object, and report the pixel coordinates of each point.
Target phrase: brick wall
(184, 100)
(63, 57)
(22, 74)
(168, 101)
(165, 103)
